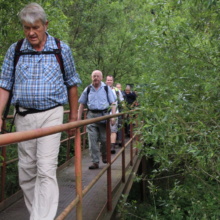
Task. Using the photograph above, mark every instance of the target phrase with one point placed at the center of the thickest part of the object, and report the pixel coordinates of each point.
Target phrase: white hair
(97, 71)
(128, 87)
(31, 13)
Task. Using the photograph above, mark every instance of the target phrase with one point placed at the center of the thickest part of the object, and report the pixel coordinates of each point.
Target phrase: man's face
(127, 90)
(109, 81)
(118, 86)
(35, 33)
(96, 78)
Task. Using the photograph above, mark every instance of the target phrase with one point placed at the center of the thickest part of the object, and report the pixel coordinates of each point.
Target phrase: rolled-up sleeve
(83, 98)
(7, 76)
(111, 96)
(71, 77)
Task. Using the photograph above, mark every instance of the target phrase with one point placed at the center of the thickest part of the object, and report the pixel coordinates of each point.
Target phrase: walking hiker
(130, 101)
(121, 105)
(41, 83)
(99, 98)
(119, 100)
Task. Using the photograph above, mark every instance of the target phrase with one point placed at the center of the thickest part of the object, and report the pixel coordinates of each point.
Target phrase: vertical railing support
(131, 145)
(109, 173)
(78, 173)
(137, 136)
(84, 130)
(3, 168)
(3, 173)
(123, 152)
(68, 149)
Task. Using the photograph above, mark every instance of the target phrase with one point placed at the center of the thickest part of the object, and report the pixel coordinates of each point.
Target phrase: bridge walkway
(94, 202)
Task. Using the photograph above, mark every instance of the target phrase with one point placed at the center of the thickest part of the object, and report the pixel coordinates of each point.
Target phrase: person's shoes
(104, 158)
(113, 149)
(94, 166)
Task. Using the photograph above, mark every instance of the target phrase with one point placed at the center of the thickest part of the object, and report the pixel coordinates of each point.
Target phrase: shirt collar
(49, 45)
(102, 85)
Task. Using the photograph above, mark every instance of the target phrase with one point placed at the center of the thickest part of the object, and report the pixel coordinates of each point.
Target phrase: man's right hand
(113, 120)
(1, 124)
(4, 97)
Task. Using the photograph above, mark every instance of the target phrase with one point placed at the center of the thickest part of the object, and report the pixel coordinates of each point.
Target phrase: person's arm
(113, 109)
(83, 100)
(4, 96)
(80, 111)
(113, 103)
(73, 105)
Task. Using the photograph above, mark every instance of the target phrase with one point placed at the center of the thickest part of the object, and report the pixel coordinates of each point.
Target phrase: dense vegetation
(172, 47)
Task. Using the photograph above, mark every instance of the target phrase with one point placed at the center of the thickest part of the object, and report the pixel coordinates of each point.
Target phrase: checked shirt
(39, 82)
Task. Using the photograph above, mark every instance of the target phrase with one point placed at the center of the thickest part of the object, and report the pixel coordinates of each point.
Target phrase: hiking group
(38, 77)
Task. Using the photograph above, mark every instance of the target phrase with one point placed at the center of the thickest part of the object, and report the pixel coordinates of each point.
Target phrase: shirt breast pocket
(52, 74)
(22, 72)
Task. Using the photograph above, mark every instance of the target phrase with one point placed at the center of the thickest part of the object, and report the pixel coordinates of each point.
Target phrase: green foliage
(12, 184)
(11, 29)
(171, 47)
(180, 108)
(103, 37)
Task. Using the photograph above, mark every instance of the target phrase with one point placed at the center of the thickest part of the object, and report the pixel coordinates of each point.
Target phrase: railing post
(137, 136)
(3, 174)
(3, 168)
(78, 173)
(109, 174)
(123, 152)
(84, 130)
(131, 145)
(68, 149)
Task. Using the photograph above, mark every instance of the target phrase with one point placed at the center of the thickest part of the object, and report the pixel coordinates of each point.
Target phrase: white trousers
(37, 164)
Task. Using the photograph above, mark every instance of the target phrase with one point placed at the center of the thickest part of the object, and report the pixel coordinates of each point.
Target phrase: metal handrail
(6, 162)
(16, 137)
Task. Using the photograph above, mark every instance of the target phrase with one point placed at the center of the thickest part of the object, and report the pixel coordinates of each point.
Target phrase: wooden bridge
(84, 194)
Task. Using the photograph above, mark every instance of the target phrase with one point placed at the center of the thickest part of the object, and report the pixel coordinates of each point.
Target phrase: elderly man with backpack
(100, 100)
(38, 77)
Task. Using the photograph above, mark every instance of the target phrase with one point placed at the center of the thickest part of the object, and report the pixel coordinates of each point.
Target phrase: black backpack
(18, 53)
(56, 52)
(106, 89)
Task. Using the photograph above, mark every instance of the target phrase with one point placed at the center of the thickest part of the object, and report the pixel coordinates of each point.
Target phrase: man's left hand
(113, 120)
(72, 131)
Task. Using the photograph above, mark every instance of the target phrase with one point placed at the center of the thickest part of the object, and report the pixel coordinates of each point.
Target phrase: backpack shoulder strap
(16, 59)
(56, 52)
(59, 55)
(89, 88)
(106, 89)
(88, 91)
(17, 52)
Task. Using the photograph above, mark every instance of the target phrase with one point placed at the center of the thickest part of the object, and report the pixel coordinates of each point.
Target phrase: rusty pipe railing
(16, 137)
(5, 162)
(27, 135)
(73, 204)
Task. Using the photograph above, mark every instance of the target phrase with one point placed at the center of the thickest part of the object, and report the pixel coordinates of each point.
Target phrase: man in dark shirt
(129, 97)
(130, 101)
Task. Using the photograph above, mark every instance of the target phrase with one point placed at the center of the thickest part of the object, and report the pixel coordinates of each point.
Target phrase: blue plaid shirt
(39, 82)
